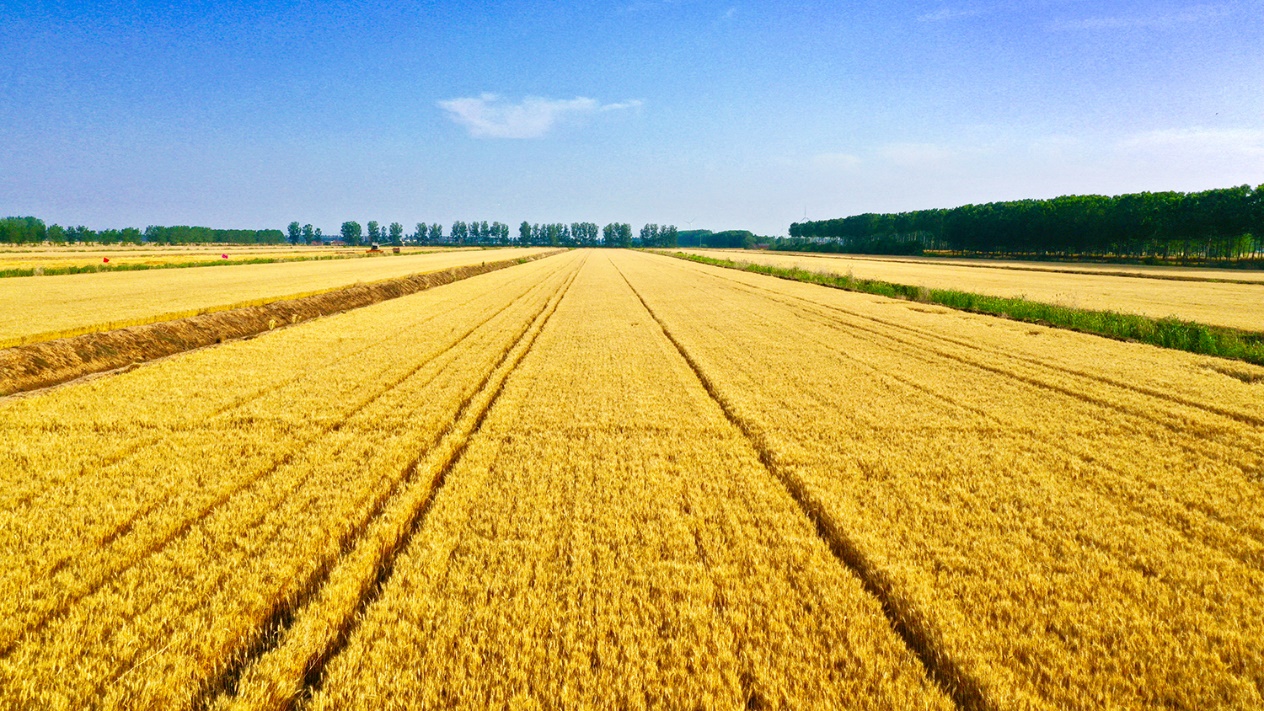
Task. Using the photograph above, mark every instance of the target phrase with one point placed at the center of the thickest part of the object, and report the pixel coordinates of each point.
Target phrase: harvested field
(1231, 305)
(51, 307)
(618, 479)
(43, 257)
(1222, 274)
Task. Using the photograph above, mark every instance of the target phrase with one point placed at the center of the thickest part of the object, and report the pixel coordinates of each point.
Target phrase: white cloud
(1162, 20)
(488, 116)
(948, 13)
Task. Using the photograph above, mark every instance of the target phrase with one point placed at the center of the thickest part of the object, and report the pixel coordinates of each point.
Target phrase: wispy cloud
(948, 13)
(1160, 20)
(489, 116)
(1234, 141)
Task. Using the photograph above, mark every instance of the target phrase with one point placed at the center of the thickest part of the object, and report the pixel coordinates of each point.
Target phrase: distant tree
(649, 235)
(667, 236)
(396, 234)
(320, 238)
(19, 230)
(56, 234)
(308, 234)
(499, 233)
(351, 233)
(295, 232)
(524, 234)
(375, 231)
(436, 233)
(460, 232)
(693, 238)
(610, 235)
(623, 234)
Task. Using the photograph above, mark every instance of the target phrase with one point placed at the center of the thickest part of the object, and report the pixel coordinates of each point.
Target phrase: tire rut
(905, 621)
(448, 451)
(39, 621)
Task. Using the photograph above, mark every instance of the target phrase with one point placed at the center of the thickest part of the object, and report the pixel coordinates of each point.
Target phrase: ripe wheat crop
(610, 539)
(156, 525)
(617, 479)
(1070, 521)
(44, 308)
(86, 256)
(1231, 305)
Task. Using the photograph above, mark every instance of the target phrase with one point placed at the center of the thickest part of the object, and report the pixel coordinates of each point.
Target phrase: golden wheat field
(613, 479)
(1192, 297)
(42, 256)
(48, 307)
(1151, 271)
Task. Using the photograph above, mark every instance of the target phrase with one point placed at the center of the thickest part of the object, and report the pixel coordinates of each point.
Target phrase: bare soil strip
(40, 365)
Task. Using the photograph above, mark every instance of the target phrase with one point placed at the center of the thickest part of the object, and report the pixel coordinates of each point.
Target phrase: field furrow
(143, 513)
(609, 538)
(283, 670)
(74, 304)
(45, 440)
(617, 479)
(1060, 540)
(186, 609)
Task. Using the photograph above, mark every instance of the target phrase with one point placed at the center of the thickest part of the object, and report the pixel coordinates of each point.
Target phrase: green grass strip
(1165, 332)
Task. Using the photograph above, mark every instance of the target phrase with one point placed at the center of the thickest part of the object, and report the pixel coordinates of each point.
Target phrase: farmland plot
(1231, 305)
(614, 479)
(610, 539)
(1066, 521)
(49, 307)
(156, 526)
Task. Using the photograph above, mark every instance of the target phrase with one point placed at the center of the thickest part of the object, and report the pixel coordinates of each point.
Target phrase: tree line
(1209, 225)
(32, 230)
(728, 239)
(483, 233)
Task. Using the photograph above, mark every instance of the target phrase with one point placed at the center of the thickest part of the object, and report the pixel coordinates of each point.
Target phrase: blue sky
(704, 114)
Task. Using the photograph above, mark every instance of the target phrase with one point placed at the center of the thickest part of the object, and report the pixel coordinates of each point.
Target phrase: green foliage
(653, 235)
(1225, 224)
(22, 230)
(181, 234)
(1165, 332)
(351, 233)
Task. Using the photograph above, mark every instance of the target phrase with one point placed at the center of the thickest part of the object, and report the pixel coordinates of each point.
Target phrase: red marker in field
(223, 256)
(106, 260)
